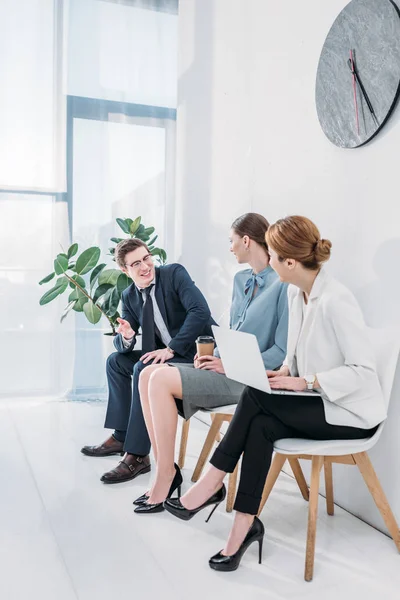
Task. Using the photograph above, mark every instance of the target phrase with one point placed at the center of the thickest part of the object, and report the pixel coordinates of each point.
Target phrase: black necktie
(148, 325)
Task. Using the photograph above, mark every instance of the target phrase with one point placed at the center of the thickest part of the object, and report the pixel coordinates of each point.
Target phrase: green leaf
(72, 266)
(149, 231)
(123, 282)
(109, 276)
(75, 295)
(61, 281)
(129, 223)
(95, 273)
(66, 310)
(72, 250)
(156, 251)
(134, 225)
(114, 317)
(103, 301)
(153, 240)
(114, 301)
(101, 290)
(87, 260)
(92, 312)
(116, 240)
(163, 255)
(122, 223)
(79, 280)
(79, 304)
(59, 288)
(46, 279)
(139, 232)
(79, 298)
(60, 264)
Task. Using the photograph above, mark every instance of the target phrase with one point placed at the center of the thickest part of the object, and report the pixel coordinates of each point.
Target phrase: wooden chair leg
(218, 438)
(232, 489)
(299, 476)
(317, 462)
(183, 444)
(208, 444)
(368, 472)
(330, 507)
(277, 463)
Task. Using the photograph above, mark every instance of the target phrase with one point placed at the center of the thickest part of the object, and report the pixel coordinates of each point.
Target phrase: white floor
(66, 536)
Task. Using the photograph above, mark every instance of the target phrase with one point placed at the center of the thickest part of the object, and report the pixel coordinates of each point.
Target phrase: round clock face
(358, 77)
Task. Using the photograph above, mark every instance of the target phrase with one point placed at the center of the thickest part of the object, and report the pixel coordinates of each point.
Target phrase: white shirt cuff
(127, 342)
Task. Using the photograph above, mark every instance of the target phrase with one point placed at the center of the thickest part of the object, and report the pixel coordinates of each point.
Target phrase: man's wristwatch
(310, 380)
(170, 350)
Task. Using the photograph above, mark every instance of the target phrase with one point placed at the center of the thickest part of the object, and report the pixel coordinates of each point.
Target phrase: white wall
(249, 139)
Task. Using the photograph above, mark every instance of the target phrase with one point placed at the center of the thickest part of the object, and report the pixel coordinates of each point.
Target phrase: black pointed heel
(141, 500)
(144, 508)
(220, 562)
(144, 497)
(176, 508)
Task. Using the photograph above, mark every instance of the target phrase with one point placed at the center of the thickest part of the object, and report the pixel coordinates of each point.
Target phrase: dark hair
(126, 246)
(253, 225)
(299, 238)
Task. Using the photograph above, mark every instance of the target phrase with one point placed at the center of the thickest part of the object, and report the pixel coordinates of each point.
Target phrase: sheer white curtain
(35, 358)
(32, 101)
(36, 351)
(66, 174)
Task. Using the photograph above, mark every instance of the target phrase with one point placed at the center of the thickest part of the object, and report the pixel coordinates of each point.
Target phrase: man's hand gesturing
(125, 329)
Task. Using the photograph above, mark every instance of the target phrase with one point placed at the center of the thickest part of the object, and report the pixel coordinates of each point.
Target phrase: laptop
(242, 360)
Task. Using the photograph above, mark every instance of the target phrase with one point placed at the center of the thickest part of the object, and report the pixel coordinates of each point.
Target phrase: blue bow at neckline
(252, 281)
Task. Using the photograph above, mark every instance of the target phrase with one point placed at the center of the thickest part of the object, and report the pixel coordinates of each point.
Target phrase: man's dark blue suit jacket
(182, 305)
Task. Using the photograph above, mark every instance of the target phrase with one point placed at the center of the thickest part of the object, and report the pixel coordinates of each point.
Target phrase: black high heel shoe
(146, 509)
(144, 497)
(176, 508)
(219, 562)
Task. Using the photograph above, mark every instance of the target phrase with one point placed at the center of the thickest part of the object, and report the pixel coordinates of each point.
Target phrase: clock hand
(353, 69)
(351, 65)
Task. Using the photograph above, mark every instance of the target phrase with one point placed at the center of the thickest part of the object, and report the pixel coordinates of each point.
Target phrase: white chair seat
(229, 409)
(295, 446)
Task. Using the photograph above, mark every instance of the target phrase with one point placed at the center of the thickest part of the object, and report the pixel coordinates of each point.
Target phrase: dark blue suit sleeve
(197, 312)
(128, 315)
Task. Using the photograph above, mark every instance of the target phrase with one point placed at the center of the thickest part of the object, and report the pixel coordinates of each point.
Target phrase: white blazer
(333, 344)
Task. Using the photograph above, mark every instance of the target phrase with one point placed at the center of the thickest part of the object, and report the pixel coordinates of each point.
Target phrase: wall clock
(358, 76)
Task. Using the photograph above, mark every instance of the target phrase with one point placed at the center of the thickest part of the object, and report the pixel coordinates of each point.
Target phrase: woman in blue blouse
(259, 306)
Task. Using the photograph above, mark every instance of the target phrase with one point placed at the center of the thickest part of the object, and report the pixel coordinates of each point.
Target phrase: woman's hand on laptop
(209, 363)
(282, 372)
(294, 384)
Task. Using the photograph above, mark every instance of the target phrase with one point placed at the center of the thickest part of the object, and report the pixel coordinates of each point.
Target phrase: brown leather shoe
(108, 448)
(128, 468)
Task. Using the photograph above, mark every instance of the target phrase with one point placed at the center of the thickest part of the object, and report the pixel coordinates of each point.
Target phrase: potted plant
(95, 289)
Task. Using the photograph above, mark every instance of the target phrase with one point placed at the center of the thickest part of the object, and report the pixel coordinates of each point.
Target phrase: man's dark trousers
(124, 411)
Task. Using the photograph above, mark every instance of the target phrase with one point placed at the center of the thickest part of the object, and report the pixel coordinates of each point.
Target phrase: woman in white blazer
(328, 351)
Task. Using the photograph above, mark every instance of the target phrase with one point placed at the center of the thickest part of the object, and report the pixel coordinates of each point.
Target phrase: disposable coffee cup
(205, 345)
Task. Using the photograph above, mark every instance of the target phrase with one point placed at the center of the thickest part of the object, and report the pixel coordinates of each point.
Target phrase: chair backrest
(386, 347)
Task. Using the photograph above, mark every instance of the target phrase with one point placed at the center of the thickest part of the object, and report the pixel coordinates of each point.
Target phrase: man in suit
(172, 313)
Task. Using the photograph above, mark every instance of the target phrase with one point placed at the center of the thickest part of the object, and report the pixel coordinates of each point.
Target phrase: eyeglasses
(147, 260)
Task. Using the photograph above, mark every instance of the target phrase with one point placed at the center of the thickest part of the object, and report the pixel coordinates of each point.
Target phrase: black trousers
(261, 419)
(124, 410)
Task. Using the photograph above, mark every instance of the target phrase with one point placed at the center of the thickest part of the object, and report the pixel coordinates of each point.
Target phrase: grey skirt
(205, 390)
